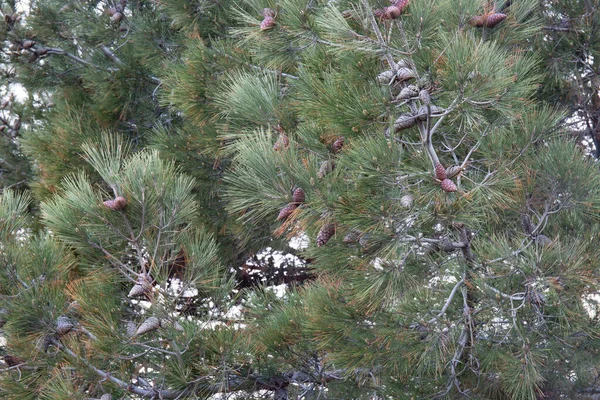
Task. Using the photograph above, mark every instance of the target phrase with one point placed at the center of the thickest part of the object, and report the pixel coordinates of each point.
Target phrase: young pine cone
(286, 211)
(119, 203)
(64, 325)
(299, 195)
(326, 233)
(448, 186)
(338, 144)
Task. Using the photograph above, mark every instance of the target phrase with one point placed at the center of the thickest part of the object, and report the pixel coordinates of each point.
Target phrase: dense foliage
(299, 199)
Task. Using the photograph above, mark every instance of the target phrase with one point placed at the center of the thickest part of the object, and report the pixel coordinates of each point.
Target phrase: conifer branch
(256, 67)
(129, 387)
(448, 301)
(59, 51)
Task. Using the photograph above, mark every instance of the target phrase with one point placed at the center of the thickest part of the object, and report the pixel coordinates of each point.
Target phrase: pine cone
(385, 76)
(326, 167)
(526, 224)
(352, 236)
(452, 171)
(338, 144)
(542, 240)
(401, 4)
(27, 44)
(440, 172)
(408, 92)
(391, 12)
(148, 325)
(326, 233)
(13, 360)
(403, 63)
(299, 195)
(404, 121)
(119, 203)
(267, 23)
(269, 12)
(130, 328)
(282, 143)
(407, 200)
(494, 19)
(116, 17)
(405, 74)
(446, 245)
(449, 186)
(435, 112)
(286, 211)
(137, 290)
(425, 96)
(63, 325)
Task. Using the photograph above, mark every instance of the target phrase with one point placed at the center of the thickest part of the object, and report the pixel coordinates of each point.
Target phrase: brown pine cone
(286, 211)
(326, 233)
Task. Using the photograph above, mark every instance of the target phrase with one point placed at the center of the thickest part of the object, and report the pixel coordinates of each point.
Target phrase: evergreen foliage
(407, 170)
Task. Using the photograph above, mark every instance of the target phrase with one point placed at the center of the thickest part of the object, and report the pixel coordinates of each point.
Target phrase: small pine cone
(130, 328)
(535, 297)
(385, 76)
(352, 236)
(43, 344)
(13, 360)
(542, 240)
(137, 290)
(27, 44)
(494, 19)
(106, 396)
(326, 167)
(32, 57)
(425, 96)
(434, 112)
(267, 23)
(408, 92)
(391, 12)
(149, 325)
(286, 211)
(282, 143)
(2, 128)
(338, 144)
(526, 224)
(401, 4)
(453, 171)
(402, 63)
(269, 12)
(112, 11)
(440, 172)
(446, 245)
(326, 233)
(448, 186)
(299, 195)
(63, 325)
(117, 17)
(407, 200)
(405, 74)
(119, 203)
(404, 121)
(365, 241)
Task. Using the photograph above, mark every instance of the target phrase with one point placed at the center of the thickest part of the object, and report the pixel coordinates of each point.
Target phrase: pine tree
(415, 149)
